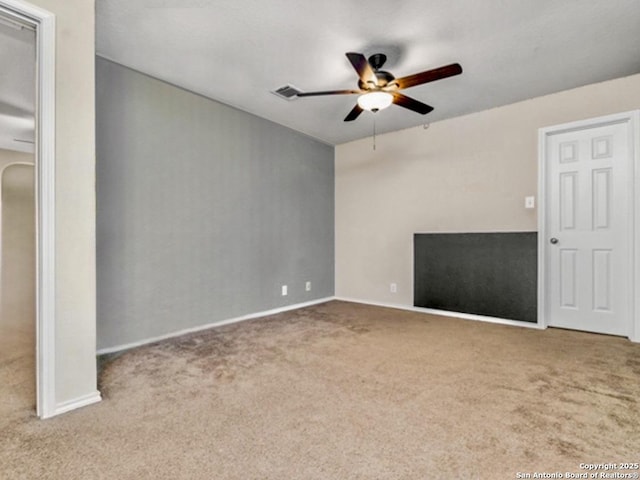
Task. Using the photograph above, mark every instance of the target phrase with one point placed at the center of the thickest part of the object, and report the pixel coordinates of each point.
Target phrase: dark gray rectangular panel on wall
(493, 274)
(203, 211)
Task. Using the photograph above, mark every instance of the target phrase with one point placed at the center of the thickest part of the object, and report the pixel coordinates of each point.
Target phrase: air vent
(288, 92)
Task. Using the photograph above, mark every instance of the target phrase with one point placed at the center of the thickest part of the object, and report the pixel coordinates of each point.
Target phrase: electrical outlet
(307, 286)
(393, 288)
(284, 290)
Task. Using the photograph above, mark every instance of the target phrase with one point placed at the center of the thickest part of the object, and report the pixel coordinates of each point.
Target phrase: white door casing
(587, 234)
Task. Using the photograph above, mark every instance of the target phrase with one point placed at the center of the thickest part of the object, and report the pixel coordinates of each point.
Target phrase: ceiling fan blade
(428, 76)
(328, 92)
(361, 65)
(411, 104)
(353, 114)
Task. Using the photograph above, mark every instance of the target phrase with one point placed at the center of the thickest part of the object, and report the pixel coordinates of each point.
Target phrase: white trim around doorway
(44, 23)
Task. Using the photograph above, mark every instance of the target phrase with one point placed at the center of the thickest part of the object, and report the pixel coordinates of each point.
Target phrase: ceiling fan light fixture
(375, 84)
(374, 101)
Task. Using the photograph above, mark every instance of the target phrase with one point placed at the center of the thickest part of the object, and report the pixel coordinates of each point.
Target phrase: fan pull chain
(374, 131)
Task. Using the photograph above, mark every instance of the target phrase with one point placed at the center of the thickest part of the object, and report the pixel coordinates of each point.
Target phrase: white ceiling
(237, 51)
(17, 87)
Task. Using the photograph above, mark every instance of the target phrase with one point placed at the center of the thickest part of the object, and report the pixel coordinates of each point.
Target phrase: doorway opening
(17, 218)
(20, 15)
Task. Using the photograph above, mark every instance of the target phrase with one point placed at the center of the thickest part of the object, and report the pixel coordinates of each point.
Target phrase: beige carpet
(17, 357)
(345, 391)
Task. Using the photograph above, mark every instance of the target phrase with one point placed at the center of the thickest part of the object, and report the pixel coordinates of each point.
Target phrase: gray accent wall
(203, 211)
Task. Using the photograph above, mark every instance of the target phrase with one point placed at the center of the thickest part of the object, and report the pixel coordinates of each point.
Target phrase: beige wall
(17, 266)
(75, 369)
(466, 174)
(17, 255)
(17, 221)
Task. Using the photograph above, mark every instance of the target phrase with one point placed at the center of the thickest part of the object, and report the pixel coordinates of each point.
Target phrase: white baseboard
(446, 313)
(178, 333)
(251, 316)
(83, 401)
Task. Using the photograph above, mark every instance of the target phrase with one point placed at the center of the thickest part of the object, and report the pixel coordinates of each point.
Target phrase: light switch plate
(529, 202)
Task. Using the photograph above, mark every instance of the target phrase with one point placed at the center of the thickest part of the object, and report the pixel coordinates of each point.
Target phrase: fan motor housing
(383, 79)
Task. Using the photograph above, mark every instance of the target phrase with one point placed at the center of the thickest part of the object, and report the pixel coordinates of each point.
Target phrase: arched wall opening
(17, 284)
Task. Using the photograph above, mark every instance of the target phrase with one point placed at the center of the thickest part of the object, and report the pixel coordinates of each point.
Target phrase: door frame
(45, 27)
(632, 120)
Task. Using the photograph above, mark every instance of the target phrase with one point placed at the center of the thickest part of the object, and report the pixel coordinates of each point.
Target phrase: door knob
(553, 240)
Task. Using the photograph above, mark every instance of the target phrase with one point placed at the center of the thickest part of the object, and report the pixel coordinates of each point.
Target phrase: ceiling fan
(378, 89)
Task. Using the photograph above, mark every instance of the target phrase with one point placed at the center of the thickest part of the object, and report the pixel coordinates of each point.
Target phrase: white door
(589, 180)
